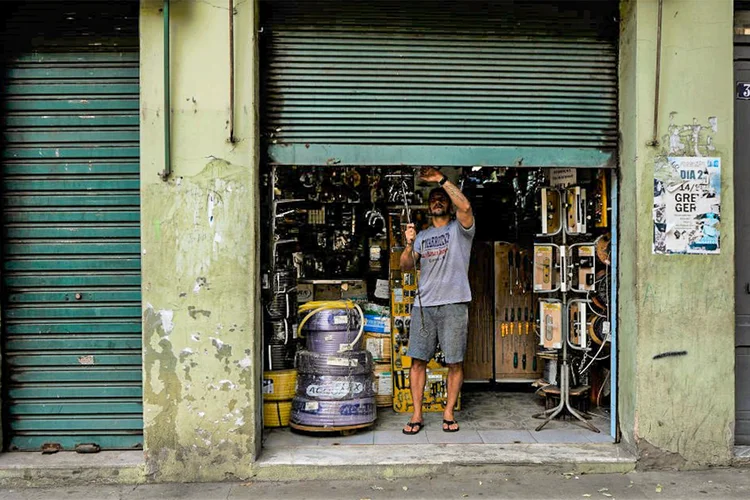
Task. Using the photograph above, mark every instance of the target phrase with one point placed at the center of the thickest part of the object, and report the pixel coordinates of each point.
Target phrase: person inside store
(441, 308)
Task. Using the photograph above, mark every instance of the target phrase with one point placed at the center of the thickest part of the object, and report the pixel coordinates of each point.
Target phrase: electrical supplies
(546, 277)
(578, 327)
(583, 259)
(576, 213)
(551, 211)
(335, 386)
(550, 321)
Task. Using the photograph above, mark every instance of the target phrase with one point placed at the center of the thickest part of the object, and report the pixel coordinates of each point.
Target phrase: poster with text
(687, 205)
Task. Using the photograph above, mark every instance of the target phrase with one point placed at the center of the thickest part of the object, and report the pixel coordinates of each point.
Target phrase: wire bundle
(335, 388)
(341, 364)
(277, 413)
(332, 414)
(279, 385)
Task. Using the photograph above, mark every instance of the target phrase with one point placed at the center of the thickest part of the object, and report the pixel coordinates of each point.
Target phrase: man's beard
(439, 212)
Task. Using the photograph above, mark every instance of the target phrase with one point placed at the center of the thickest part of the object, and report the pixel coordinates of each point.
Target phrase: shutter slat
(351, 83)
(71, 225)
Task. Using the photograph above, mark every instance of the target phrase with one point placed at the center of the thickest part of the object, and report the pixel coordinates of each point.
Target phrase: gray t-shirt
(444, 260)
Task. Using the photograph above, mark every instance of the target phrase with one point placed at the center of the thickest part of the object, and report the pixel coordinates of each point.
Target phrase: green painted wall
(678, 411)
(200, 241)
(200, 257)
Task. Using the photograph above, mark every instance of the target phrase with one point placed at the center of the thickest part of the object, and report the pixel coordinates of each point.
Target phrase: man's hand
(430, 174)
(410, 234)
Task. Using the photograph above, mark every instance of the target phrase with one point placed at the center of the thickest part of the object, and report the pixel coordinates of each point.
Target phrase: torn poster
(687, 205)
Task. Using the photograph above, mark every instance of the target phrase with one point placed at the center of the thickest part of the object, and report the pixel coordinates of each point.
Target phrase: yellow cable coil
(279, 385)
(379, 345)
(277, 413)
(383, 384)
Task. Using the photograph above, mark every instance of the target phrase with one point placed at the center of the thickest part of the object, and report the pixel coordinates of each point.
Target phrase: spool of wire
(279, 385)
(284, 280)
(345, 413)
(279, 331)
(335, 387)
(276, 413)
(331, 342)
(282, 305)
(344, 363)
(330, 320)
(277, 358)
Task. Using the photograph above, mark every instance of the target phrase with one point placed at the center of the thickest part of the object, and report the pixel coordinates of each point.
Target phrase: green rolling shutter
(440, 82)
(71, 317)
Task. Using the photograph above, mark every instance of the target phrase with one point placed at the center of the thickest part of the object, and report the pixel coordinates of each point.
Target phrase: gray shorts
(447, 324)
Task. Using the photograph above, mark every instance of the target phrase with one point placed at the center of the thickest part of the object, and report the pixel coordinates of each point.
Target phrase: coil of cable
(350, 412)
(279, 331)
(284, 280)
(277, 413)
(282, 305)
(335, 387)
(277, 357)
(338, 319)
(279, 385)
(344, 363)
(331, 342)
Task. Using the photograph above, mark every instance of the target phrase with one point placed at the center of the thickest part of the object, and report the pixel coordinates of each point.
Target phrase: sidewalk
(711, 484)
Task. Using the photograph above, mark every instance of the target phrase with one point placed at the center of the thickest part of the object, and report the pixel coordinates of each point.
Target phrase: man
(443, 251)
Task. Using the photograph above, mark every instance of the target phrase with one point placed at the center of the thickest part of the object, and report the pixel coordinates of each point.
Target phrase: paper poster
(562, 177)
(687, 206)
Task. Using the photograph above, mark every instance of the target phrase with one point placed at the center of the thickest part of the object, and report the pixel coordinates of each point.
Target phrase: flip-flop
(412, 426)
(449, 423)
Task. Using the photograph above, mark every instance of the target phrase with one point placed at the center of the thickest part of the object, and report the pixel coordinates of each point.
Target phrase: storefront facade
(200, 238)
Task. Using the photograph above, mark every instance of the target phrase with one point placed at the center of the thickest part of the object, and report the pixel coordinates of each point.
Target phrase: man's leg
(452, 334)
(417, 376)
(455, 380)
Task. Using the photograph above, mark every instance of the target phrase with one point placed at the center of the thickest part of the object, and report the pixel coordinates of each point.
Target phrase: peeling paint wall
(677, 410)
(200, 251)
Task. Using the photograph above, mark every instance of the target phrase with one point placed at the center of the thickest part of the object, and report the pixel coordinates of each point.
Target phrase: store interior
(337, 306)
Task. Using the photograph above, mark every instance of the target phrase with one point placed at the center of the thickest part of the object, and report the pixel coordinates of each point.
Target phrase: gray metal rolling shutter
(440, 83)
(71, 317)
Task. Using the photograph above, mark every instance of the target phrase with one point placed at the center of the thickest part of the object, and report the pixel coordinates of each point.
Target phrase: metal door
(440, 82)
(742, 249)
(70, 226)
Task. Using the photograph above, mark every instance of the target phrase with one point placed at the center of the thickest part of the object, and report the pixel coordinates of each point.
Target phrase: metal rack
(564, 403)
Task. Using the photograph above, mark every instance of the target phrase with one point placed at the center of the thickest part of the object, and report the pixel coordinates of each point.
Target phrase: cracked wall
(199, 238)
(677, 312)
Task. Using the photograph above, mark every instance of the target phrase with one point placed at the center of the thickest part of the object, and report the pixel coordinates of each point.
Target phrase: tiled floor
(486, 417)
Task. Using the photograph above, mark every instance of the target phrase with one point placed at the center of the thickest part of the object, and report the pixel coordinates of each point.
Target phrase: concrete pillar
(677, 411)
(200, 245)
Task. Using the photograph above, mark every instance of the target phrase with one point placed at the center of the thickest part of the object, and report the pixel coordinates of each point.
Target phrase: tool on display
(551, 211)
(576, 210)
(422, 326)
(583, 259)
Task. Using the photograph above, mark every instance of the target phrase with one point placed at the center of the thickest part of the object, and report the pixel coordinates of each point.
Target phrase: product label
(375, 346)
(311, 406)
(381, 289)
(267, 386)
(342, 362)
(340, 320)
(337, 390)
(385, 384)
